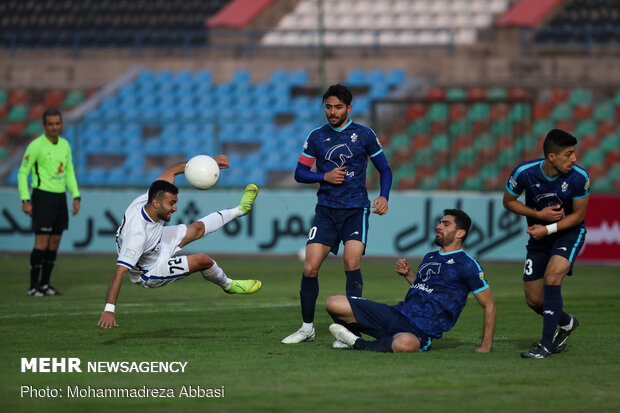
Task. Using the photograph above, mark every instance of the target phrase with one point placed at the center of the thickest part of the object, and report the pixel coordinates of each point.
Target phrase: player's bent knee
(336, 304)
(405, 343)
(204, 261)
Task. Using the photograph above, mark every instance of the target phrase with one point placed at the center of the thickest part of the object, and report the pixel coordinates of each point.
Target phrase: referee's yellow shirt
(51, 166)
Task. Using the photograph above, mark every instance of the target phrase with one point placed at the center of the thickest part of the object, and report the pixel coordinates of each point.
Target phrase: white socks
(307, 326)
(217, 220)
(217, 276)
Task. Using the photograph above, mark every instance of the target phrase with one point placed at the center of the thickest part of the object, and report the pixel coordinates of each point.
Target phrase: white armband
(552, 228)
(109, 307)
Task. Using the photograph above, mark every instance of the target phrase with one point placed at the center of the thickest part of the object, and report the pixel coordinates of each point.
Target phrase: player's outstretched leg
(249, 195)
(217, 276)
(561, 336)
(243, 287)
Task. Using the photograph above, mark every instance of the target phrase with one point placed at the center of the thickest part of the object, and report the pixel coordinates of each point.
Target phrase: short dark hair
(341, 92)
(461, 219)
(556, 140)
(51, 112)
(160, 187)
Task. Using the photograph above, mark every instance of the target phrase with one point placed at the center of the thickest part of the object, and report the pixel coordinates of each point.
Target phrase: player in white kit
(147, 249)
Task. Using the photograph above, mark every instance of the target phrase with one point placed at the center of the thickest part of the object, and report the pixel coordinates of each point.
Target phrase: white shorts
(168, 267)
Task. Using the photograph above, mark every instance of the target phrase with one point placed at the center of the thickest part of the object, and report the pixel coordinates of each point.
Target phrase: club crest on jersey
(354, 138)
(428, 270)
(564, 186)
(338, 154)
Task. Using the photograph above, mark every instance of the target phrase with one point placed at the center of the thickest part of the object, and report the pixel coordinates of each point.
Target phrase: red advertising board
(603, 226)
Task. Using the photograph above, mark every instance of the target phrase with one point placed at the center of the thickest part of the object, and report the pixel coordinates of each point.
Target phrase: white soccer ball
(202, 172)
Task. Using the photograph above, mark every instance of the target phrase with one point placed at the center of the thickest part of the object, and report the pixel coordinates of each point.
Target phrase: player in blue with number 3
(556, 201)
(341, 149)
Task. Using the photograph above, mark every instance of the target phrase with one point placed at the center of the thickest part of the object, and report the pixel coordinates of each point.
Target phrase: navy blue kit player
(556, 201)
(340, 149)
(437, 295)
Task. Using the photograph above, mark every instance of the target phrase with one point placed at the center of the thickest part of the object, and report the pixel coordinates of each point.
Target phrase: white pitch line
(152, 309)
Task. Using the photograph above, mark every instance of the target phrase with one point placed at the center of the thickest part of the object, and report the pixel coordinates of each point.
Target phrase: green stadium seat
(605, 111)
(424, 156)
(18, 113)
(399, 141)
(502, 127)
(585, 128)
(4, 96)
(34, 128)
(417, 127)
(617, 97)
(465, 156)
(473, 184)
(580, 97)
(437, 111)
(610, 142)
(431, 182)
(592, 157)
(542, 127)
(497, 93)
(456, 94)
(440, 142)
(562, 112)
(460, 127)
(521, 112)
(479, 111)
(484, 141)
(74, 97)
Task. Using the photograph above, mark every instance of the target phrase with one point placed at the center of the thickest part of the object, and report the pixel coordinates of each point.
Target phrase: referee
(48, 157)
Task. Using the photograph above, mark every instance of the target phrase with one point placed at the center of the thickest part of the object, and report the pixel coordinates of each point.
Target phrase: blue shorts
(566, 244)
(332, 225)
(381, 320)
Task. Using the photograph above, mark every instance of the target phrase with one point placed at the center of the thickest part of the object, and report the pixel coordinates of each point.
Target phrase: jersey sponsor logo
(587, 185)
(429, 269)
(450, 261)
(339, 154)
(547, 199)
(481, 275)
(354, 233)
(563, 248)
(59, 171)
(327, 140)
(564, 186)
(306, 145)
(548, 312)
(129, 253)
(422, 287)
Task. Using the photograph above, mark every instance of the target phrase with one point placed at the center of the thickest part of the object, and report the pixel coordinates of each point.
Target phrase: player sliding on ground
(148, 250)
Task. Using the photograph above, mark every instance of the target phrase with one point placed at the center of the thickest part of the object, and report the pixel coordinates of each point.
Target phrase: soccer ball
(202, 172)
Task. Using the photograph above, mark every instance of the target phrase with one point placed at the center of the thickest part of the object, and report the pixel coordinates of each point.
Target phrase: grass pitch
(234, 342)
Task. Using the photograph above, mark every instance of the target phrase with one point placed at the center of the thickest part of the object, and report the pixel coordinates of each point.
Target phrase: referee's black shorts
(49, 212)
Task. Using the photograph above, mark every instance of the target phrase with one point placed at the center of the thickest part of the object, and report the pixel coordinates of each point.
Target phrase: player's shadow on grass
(171, 333)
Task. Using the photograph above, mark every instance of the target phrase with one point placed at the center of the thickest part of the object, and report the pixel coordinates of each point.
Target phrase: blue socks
(355, 284)
(307, 295)
(552, 310)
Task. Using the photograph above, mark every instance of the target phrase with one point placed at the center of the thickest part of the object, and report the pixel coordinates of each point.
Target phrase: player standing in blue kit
(556, 200)
(341, 149)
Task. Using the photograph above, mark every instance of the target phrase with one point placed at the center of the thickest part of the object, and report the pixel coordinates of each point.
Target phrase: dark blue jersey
(542, 191)
(349, 146)
(439, 293)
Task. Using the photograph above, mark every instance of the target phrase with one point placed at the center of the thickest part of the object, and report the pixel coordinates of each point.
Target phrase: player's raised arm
(402, 268)
(107, 319)
(486, 301)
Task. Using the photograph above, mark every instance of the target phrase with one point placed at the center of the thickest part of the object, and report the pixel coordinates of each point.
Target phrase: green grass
(234, 341)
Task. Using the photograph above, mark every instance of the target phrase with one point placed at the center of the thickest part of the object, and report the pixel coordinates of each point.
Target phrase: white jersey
(138, 239)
